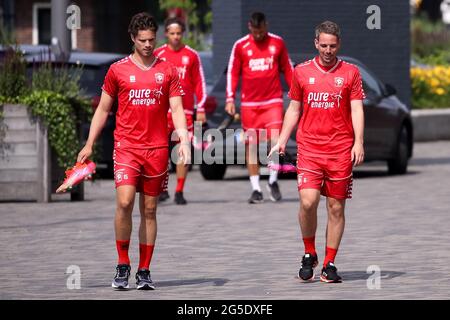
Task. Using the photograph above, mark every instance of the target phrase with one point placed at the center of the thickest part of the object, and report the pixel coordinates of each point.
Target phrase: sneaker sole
(120, 287)
(325, 280)
(307, 280)
(256, 201)
(271, 197)
(145, 287)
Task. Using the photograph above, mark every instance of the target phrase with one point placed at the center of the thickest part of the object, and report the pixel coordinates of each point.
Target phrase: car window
(371, 86)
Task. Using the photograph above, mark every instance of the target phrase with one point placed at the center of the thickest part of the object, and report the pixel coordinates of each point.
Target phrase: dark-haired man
(190, 71)
(145, 87)
(259, 57)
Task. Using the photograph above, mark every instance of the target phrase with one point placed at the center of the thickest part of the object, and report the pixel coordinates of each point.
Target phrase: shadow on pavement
(363, 275)
(176, 283)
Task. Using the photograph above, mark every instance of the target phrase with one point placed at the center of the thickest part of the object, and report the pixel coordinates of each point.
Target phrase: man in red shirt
(326, 94)
(259, 57)
(145, 87)
(189, 66)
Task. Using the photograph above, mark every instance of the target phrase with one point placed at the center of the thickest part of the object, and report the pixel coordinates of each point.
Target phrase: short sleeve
(357, 91)
(295, 92)
(110, 84)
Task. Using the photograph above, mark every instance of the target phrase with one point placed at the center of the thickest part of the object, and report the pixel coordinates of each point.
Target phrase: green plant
(12, 74)
(57, 114)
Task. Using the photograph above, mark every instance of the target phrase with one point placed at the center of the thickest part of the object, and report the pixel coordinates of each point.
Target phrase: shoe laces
(144, 275)
(122, 272)
(308, 261)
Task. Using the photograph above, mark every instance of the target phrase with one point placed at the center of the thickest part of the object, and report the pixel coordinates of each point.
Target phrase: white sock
(273, 176)
(254, 180)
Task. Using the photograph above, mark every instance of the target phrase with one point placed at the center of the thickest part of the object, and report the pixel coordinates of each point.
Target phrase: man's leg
(125, 195)
(334, 232)
(147, 229)
(335, 227)
(272, 185)
(251, 158)
(182, 172)
(309, 201)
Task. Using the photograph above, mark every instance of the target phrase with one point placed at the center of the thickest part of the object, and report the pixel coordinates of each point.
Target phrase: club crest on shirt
(185, 60)
(159, 77)
(312, 80)
(272, 49)
(132, 78)
(249, 53)
(338, 81)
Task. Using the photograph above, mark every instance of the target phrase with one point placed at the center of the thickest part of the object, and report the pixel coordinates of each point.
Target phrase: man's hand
(184, 153)
(277, 148)
(230, 108)
(201, 116)
(357, 154)
(84, 154)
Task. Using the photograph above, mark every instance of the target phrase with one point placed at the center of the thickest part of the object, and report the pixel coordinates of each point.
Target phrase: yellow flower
(440, 91)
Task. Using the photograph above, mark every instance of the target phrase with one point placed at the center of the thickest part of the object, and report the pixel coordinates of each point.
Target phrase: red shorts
(333, 177)
(171, 127)
(146, 169)
(257, 119)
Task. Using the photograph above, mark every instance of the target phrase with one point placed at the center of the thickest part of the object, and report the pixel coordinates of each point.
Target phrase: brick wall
(386, 51)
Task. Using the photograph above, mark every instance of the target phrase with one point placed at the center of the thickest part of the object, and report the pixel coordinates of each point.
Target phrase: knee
(149, 212)
(125, 205)
(308, 206)
(335, 210)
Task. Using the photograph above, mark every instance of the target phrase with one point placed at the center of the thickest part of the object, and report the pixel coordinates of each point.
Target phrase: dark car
(388, 133)
(94, 68)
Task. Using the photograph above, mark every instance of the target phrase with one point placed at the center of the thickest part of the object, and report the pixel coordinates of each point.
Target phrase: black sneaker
(179, 199)
(309, 262)
(329, 274)
(120, 281)
(274, 191)
(143, 280)
(256, 197)
(163, 196)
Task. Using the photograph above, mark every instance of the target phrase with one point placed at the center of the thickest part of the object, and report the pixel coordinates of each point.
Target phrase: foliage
(430, 87)
(194, 38)
(12, 74)
(430, 42)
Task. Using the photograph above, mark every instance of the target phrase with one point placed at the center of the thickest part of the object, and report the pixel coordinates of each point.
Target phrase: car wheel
(399, 164)
(213, 171)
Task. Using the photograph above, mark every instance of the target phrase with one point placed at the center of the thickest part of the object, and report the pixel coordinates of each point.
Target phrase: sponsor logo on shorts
(120, 175)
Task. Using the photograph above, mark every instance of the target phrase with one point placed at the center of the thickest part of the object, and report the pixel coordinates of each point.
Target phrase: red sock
(145, 255)
(180, 184)
(122, 250)
(330, 255)
(310, 245)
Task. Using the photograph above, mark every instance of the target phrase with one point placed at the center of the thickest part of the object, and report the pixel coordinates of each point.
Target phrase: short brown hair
(142, 21)
(328, 27)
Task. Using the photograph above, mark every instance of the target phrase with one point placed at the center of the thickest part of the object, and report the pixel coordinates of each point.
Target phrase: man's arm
(198, 79)
(286, 65)
(233, 73)
(291, 118)
(358, 128)
(179, 121)
(98, 122)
